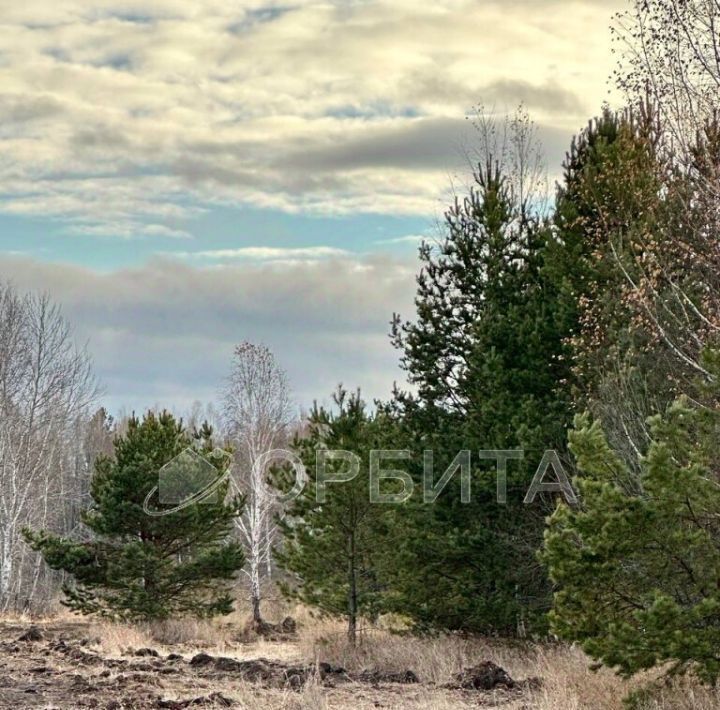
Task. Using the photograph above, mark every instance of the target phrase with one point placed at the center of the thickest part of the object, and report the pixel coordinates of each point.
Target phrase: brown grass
(567, 681)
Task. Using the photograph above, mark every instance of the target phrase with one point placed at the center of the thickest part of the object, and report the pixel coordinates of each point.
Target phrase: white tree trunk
(46, 387)
(256, 415)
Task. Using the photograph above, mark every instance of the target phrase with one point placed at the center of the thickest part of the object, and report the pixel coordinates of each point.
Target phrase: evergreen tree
(609, 209)
(637, 565)
(520, 321)
(334, 533)
(488, 357)
(139, 566)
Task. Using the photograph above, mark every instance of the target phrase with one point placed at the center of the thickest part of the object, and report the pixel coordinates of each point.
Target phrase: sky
(182, 176)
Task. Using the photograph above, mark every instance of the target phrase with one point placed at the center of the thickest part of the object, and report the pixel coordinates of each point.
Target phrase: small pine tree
(637, 565)
(332, 545)
(139, 566)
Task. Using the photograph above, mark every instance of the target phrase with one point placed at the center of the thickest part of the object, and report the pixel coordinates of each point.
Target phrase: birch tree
(46, 387)
(257, 412)
(669, 61)
(669, 52)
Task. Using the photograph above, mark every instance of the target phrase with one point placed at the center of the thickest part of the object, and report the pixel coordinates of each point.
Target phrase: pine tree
(334, 533)
(637, 565)
(609, 209)
(488, 357)
(139, 566)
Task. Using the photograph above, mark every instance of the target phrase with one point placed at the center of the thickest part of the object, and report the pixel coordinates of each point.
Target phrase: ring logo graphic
(190, 478)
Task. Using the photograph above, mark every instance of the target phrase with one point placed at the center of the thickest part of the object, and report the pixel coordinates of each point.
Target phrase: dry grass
(113, 640)
(567, 681)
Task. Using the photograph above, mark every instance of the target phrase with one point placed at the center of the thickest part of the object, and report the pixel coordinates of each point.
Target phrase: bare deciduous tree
(257, 412)
(670, 66)
(512, 141)
(46, 387)
(670, 52)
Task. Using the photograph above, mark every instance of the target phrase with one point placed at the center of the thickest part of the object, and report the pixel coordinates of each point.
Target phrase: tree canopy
(140, 566)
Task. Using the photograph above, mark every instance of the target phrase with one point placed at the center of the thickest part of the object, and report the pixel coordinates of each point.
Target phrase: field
(71, 662)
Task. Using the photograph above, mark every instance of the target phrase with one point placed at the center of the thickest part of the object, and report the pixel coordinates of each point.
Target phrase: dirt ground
(69, 664)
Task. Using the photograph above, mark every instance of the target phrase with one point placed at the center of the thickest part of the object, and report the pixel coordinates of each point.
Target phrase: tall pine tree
(608, 209)
(487, 355)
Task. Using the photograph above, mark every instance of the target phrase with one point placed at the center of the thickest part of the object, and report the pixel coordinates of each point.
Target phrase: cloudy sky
(185, 174)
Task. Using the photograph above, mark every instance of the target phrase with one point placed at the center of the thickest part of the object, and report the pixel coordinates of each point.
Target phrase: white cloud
(126, 117)
(264, 254)
(407, 239)
(164, 333)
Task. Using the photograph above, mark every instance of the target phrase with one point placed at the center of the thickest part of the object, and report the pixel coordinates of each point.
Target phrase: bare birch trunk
(256, 414)
(46, 388)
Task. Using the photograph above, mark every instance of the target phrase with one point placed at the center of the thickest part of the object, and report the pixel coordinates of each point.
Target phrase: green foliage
(520, 322)
(488, 356)
(334, 542)
(143, 567)
(631, 259)
(637, 565)
(607, 202)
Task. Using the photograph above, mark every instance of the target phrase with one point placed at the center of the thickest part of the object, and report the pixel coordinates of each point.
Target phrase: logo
(190, 478)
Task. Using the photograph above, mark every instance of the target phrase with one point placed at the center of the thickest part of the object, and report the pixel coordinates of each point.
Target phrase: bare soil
(61, 664)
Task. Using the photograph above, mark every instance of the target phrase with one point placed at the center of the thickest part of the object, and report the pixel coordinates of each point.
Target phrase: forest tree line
(587, 323)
